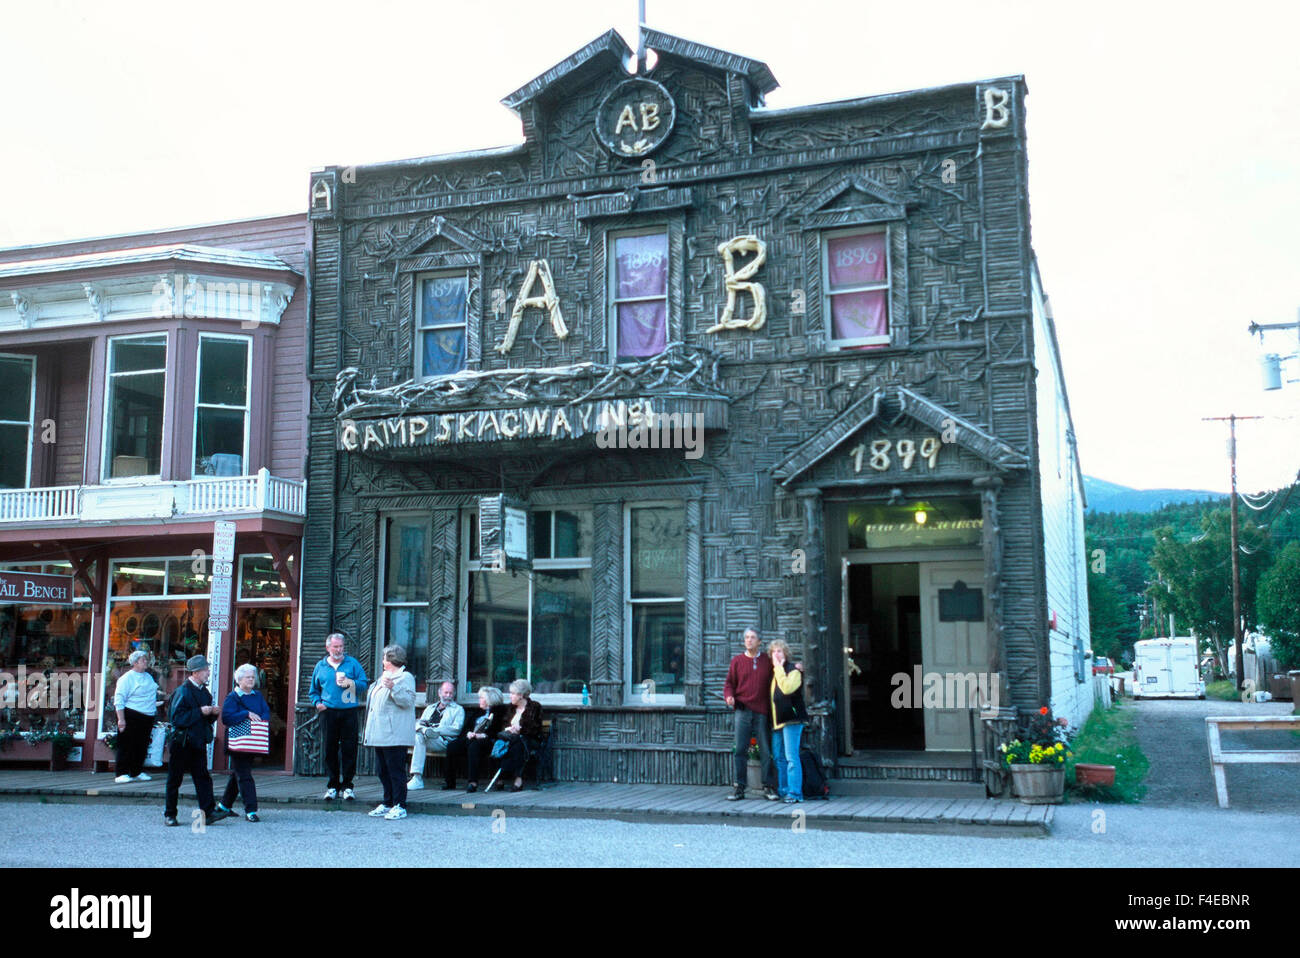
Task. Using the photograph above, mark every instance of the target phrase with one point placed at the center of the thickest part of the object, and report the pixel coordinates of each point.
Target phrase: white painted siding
(1062, 491)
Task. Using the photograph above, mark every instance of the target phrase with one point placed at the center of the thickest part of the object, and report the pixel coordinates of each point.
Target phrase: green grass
(1225, 691)
(1109, 737)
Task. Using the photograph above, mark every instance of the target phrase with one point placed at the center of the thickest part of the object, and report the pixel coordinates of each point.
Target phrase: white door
(954, 648)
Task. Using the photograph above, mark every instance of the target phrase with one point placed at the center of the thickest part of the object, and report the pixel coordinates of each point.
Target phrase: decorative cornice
(631, 201)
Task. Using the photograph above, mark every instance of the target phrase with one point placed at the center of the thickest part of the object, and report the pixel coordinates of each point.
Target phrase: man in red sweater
(748, 690)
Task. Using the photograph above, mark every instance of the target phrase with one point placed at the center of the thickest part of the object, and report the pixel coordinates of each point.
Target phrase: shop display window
(49, 647)
(159, 606)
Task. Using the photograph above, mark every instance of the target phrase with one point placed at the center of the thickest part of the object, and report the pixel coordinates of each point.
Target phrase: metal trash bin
(1280, 685)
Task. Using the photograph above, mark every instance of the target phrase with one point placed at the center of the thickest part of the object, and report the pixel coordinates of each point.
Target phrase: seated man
(438, 727)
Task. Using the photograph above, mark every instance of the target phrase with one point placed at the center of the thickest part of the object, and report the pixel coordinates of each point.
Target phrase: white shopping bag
(154, 757)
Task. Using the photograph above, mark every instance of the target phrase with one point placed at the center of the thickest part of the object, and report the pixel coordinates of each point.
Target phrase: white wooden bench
(1220, 757)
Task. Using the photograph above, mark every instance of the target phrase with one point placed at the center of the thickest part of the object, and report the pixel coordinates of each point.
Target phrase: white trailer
(1167, 668)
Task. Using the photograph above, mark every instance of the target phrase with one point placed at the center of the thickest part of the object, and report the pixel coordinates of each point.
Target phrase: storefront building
(586, 408)
(152, 386)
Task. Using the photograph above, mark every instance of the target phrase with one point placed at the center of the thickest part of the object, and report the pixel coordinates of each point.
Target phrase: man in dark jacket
(192, 715)
(748, 690)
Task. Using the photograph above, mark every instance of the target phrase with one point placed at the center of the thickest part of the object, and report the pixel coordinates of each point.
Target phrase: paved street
(133, 836)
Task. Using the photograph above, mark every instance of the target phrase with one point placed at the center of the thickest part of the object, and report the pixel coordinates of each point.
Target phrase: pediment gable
(610, 52)
(852, 198)
(426, 240)
(887, 406)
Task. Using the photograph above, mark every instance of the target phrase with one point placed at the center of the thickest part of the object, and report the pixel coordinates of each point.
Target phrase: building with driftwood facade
(585, 408)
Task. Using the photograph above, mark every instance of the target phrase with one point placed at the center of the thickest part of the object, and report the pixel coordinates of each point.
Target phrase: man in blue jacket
(193, 716)
(338, 690)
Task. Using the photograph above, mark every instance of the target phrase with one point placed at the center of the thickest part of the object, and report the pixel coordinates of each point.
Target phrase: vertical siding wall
(1063, 541)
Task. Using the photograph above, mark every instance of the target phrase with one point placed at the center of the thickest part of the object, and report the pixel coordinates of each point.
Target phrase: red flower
(753, 741)
(1043, 710)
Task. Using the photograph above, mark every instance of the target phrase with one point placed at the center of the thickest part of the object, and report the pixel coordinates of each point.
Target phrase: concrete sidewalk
(630, 803)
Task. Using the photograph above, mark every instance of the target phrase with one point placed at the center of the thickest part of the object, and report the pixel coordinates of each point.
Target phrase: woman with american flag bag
(245, 715)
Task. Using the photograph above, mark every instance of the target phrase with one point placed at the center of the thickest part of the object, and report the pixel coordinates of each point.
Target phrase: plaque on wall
(635, 118)
(961, 603)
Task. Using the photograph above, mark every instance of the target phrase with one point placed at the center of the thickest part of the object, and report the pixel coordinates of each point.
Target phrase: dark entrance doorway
(882, 612)
(264, 640)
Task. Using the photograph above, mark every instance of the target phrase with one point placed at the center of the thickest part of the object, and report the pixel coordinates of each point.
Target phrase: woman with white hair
(136, 699)
(390, 730)
(523, 734)
(242, 705)
(473, 747)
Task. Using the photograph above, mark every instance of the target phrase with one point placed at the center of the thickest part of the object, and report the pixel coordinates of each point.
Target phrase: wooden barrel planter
(1086, 774)
(1038, 784)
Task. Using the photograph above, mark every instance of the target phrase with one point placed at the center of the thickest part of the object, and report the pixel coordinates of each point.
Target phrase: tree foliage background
(1178, 560)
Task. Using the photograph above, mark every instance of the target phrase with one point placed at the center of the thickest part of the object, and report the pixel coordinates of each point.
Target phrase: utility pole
(1236, 561)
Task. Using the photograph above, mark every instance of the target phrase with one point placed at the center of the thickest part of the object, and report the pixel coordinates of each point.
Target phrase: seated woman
(524, 733)
(474, 745)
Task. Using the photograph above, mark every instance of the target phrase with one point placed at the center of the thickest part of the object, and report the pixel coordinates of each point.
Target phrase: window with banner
(159, 606)
(532, 625)
(50, 646)
(655, 611)
(856, 275)
(441, 310)
(638, 299)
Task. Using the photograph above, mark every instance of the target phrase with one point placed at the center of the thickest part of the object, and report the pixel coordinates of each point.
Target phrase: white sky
(1164, 152)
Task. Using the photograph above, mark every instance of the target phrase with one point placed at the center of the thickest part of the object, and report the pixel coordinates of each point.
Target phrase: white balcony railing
(152, 499)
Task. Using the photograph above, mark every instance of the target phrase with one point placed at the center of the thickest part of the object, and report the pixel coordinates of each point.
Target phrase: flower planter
(1038, 784)
(754, 775)
(1086, 774)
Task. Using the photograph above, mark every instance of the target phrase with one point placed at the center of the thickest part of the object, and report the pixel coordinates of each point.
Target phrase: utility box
(1167, 668)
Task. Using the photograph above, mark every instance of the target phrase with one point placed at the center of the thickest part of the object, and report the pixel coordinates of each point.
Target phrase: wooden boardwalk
(681, 804)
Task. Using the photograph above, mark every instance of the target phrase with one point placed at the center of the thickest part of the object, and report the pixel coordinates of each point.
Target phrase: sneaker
(415, 784)
(170, 820)
(396, 812)
(770, 793)
(222, 808)
(331, 793)
(379, 811)
(737, 794)
(216, 815)
(349, 795)
(142, 777)
(793, 800)
(472, 787)
(252, 817)
(122, 779)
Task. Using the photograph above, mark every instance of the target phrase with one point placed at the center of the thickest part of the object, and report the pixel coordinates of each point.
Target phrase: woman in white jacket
(390, 729)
